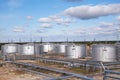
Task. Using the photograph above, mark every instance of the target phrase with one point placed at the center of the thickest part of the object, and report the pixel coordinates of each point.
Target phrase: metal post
(105, 74)
(34, 50)
(14, 58)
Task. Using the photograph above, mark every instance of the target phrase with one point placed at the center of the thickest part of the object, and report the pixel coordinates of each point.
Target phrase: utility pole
(41, 40)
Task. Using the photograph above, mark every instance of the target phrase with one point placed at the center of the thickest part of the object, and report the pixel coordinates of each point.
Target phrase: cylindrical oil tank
(28, 49)
(61, 48)
(75, 51)
(47, 47)
(37, 48)
(50, 47)
(10, 48)
(103, 52)
(118, 50)
(18, 50)
(54, 48)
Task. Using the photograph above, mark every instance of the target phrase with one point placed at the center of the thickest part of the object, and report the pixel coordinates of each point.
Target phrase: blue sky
(55, 20)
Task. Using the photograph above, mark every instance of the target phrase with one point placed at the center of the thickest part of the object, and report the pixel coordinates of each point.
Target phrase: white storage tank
(103, 52)
(10, 48)
(47, 47)
(38, 49)
(28, 49)
(61, 48)
(18, 49)
(118, 50)
(75, 51)
(54, 48)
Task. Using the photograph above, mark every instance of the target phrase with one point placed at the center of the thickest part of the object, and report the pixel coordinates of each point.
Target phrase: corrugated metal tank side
(10, 48)
(83, 50)
(55, 48)
(28, 49)
(41, 48)
(75, 51)
(45, 48)
(61, 48)
(71, 52)
(51, 47)
(38, 49)
(104, 52)
(19, 49)
(2, 49)
(118, 50)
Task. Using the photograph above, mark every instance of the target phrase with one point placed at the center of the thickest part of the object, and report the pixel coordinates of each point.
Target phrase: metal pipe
(54, 70)
(102, 66)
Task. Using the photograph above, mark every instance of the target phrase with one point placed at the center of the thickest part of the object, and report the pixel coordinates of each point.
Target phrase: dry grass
(73, 78)
(11, 73)
(18, 72)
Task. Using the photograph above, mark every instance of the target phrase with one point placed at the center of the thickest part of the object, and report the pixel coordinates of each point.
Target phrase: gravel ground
(10, 73)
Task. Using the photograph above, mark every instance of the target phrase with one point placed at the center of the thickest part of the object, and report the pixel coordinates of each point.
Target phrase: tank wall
(49, 48)
(38, 49)
(105, 53)
(2, 49)
(46, 48)
(118, 51)
(55, 48)
(19, 49)
(10, 48)
(61, 48)
(75, 51)
(83, 51)
(28, 49)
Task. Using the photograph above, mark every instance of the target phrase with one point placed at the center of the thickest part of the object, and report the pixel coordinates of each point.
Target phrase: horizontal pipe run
(55, 70)
(112, 72)
(36, 72)
(113, 77)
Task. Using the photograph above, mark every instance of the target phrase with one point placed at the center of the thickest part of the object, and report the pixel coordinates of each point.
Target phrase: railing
(111, 74)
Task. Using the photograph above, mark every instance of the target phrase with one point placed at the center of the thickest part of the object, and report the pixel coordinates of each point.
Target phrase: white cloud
(97, 29)
(44, 20)
(56, 19)
(104, 28)
(46, 25)
(18, 29)
(29, 17)
(118, 18)
(118, 21)
(40, 31)
(89, 12)
(105, 24)
(63, 21)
